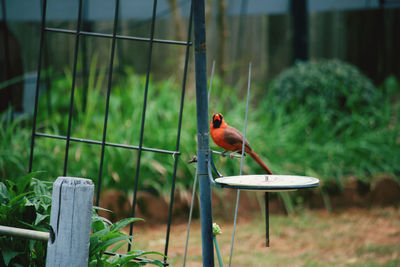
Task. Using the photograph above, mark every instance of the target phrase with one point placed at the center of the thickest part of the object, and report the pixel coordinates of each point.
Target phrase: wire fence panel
(82, 32)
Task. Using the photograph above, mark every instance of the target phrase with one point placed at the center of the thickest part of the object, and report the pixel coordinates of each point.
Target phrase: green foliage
(124, 121)
(25, 202)
(334, 88)
(352, 131)
(105, 234)
(321, 119)
(14, 144)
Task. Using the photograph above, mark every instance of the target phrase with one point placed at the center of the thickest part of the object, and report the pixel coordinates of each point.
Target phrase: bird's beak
(217, 120)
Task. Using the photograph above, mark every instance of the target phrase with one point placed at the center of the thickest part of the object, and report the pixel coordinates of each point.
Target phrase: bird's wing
(235, 138)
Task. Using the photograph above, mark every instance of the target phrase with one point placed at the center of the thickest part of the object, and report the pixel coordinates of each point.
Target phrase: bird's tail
(259, 161)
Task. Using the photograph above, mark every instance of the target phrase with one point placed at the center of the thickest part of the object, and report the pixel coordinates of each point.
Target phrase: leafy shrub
(106, 234)
(333, 88)
(25, 202)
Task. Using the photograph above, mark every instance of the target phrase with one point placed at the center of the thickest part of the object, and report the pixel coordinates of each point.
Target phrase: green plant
(216, 229)
(304, 139)
(25, 202)
(13, 147)
(334, 88)
(106, 234)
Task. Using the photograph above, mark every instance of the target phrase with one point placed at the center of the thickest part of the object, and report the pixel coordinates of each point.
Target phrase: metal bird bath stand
(261, 182)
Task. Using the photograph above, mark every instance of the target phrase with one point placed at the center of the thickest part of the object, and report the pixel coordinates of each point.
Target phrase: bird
(231, 139)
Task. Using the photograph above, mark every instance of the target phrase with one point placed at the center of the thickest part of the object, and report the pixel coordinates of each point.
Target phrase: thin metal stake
(190, 217)
(211, 81)
(39, 70)
(178, 138)
(153, 22)
(107, 101)
(241, 165)
(71, 104)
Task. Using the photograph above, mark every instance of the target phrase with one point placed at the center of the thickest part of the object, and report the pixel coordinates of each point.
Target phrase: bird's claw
(239, 152)
(194, 159)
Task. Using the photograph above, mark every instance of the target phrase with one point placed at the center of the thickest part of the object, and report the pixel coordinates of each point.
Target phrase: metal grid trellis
(79, 33)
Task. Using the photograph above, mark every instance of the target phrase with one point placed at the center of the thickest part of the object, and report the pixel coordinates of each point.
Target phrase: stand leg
(266, 198)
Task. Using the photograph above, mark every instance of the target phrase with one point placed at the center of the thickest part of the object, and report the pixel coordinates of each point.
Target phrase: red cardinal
(231, 139)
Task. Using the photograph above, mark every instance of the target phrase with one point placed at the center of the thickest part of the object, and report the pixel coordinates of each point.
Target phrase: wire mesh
(78, 33)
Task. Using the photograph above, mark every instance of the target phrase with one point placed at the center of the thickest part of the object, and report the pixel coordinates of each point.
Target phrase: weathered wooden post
(71, 215)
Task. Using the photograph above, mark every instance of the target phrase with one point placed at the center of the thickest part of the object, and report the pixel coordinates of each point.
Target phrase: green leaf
(114, 260)
(98, 225)
(122, 223)
(96, 217)
(138, 253)
(131, 264)
(100, 208)
(93, 263)
(3, 193)
(34, 227)
(116, 247)
(16, 200)
(104, 245)
(8, 255)
(135, 254)
(102, 233)
(41, 217)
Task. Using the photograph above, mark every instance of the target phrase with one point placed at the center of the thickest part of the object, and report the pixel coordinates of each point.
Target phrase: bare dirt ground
(353, 237)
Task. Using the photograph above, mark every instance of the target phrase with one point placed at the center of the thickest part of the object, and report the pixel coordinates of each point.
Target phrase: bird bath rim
(268, 182)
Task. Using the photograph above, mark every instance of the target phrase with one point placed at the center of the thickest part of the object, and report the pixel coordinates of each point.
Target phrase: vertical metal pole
(240, 39)
(266, 198)
(185, 68)
(241, 165)
(382, 44)
(202, 132)
(47, 74)
(74, 72)
(109, 85)
(39, 70)
(300, 29)
(86, 26)
(146, 90)
(6, 64)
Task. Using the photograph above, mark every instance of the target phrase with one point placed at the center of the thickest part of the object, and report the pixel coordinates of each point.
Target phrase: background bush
(334, 88)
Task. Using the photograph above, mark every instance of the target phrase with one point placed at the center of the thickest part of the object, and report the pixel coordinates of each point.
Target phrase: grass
(293, 143)
(314, 238)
